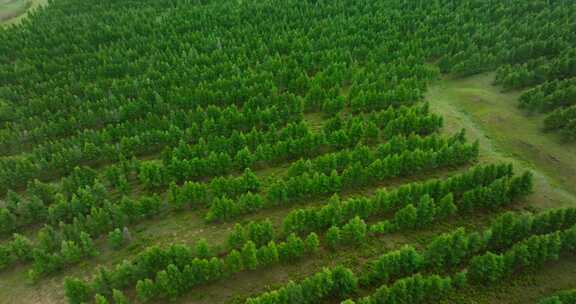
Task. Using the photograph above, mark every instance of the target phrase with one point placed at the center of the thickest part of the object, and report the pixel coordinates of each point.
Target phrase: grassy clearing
(507, 134)
(13, 11)
(12, 8)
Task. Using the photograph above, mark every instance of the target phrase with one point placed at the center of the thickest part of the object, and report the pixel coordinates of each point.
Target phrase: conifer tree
(345, 282)
(21, 247)
(234, 262)
(116, 239)
(146, 290)
(202, 249)
(87, 245)
(100, 299)
(407, 217)
(237, 237)
(7, 221)
(70, 252)
(292, 249)
(312, 243)
(77, 291)
(249, 257)
(426, 211)
(354, 232)
(486, 269)
(119, 297)
(333, 237)
(268, 255)
(6, 257)
(446, 206)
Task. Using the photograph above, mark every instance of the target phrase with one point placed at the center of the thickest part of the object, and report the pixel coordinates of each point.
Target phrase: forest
(278, 152)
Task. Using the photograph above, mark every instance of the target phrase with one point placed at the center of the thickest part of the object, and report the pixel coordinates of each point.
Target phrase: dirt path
(506, 134)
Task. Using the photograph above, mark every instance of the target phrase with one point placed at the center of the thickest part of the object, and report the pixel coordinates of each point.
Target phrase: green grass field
(12, 11)
(12, 8)
(507, 134)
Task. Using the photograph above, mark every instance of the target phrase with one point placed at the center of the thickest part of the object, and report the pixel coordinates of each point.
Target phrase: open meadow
(287, 151)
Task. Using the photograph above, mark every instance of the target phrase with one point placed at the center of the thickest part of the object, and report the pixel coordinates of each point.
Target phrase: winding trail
(506, 134)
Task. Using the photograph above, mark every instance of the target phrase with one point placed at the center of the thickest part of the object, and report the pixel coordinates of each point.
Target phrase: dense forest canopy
(80, 80)
(115, 113)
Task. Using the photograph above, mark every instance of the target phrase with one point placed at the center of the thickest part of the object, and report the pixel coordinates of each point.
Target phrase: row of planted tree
(246, 83)
(38, 203)
(91, 212)
(513, 243)
(153, 272)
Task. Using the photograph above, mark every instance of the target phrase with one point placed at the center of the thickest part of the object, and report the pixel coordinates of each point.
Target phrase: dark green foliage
(225, 208)
(339, 282)
(487, 269)
(270, 85)
(312, 243)
(291, 250)
(563, 297)
(407, 217)
(414, 289)
(530, 253)
(550, 96)
(563, 120)
(116, 239)
(393, 265)
(237, 237)
(50, 260)
(333, 237)
(77, 291)
(268, 255)
(249, 257)
(202, 249)
(100, 299)
(169, 273)
(446, 206)
(451, 249)
(146, 290)
(356, 173)
(119, 297)
(234, 86)
(259, 232)
(354, 232)
(314, 219)
(6, 257)
(196, 194)
(21, 247)
(152, 175)
(448, 252)
(7, 221)
(234, 262)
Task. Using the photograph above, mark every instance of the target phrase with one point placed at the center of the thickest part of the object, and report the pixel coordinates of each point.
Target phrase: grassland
(507, 134)
(12, 11)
